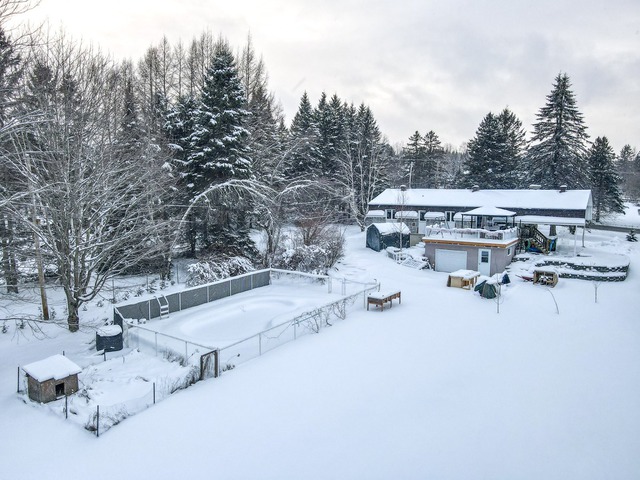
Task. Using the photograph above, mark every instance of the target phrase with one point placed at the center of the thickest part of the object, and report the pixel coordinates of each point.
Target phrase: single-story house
(549, 207)
(480, 229)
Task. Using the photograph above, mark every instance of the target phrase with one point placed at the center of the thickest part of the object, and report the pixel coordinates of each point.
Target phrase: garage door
(450, 260)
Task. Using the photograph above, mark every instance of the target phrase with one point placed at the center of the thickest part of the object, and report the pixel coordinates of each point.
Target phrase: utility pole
(403, 192)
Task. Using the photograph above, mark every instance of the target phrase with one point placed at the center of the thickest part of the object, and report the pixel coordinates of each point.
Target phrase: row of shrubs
(292, 254)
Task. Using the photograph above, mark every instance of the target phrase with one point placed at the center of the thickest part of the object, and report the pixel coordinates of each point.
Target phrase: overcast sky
(423, 65)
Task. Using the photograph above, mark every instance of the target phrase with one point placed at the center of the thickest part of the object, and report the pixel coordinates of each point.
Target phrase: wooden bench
(379, 299)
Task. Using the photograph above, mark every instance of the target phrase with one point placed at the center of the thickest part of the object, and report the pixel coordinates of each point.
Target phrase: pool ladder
(164, 307)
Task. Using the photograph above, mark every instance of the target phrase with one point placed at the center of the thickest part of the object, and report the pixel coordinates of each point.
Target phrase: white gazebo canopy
(490, 212)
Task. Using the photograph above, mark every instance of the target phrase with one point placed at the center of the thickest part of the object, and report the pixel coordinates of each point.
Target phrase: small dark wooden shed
(383, 235)
(51, 378)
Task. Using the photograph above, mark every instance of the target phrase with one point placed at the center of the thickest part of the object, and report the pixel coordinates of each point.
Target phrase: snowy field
(442, 386)
(630, 218)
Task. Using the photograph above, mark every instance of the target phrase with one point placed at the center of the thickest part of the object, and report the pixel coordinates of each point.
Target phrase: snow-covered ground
(630, 218)
(442, 386)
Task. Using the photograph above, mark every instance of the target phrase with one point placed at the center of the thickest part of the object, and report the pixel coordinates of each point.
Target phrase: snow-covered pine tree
(483, 165)
(130, 135)
(218, 145)
(304, 154)
(495, 154)
(329, 118)
(515, 148)
(630, 176)
(557, 155)
(412, 155)
(217, 151)
(266, 141)
(434, 155)
(363, 163)
(136, 147)
(605, 181)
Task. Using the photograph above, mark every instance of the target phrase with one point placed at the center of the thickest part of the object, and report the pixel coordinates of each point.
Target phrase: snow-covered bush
(315, 258)
(210, 270)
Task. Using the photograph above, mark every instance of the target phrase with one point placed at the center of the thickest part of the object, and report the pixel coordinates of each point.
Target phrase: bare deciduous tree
(95, 210)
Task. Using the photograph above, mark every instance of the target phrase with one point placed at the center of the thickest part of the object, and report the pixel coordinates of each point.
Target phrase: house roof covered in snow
(55, 367)
(520, 199)
(545, 220)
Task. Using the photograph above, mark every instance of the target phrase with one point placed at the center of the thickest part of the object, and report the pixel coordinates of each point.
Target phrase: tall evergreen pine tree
(304, 154)
(434, 155)
(413, 154)
(605, 181)
(217, 151)
(494, 155)
(557, 155)
(218, 144)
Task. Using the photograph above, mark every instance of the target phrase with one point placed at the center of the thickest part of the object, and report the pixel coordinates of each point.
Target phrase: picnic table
(380, 298)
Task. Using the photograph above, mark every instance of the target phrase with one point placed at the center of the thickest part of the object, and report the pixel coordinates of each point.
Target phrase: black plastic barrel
(109, 338)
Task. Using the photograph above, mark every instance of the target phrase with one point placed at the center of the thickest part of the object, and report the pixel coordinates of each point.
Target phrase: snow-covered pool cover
(55, 367)
(240, 316)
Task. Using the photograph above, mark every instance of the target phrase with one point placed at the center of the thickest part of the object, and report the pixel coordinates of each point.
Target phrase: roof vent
(563, 188)
(535, 187)
(475, 188)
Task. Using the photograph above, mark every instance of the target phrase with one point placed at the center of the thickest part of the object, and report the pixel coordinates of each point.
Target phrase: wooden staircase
(536, 239)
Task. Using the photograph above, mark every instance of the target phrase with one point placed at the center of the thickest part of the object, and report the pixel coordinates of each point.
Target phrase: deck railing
(471, 233)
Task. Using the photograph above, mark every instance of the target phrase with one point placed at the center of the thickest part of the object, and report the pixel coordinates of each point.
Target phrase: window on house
(60, 389)
(509, 251)
(484, 256)
(450, 215)
(390, 214)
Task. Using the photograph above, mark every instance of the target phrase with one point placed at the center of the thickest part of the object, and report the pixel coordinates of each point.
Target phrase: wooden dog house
(51, 378)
